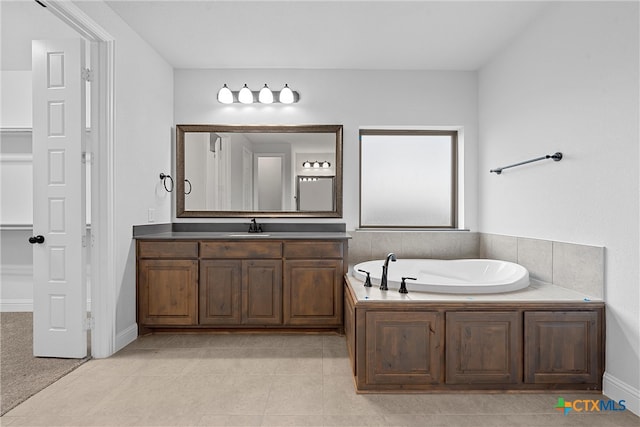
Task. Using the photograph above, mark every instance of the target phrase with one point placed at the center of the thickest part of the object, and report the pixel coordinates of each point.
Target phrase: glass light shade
(326, 165)
(306, 164)
(245, 96)
(265, 96)
(225, 96)
(286, 95)
(316, 164)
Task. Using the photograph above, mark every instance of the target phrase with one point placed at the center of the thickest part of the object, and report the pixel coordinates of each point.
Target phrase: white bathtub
(457, 276)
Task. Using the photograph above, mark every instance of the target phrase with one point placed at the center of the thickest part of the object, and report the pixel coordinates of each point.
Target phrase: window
(408, 178)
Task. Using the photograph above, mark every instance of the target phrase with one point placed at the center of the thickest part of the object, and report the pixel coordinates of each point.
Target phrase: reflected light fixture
(225, 96)
(264, 96)
(245, 95)
(316, 164)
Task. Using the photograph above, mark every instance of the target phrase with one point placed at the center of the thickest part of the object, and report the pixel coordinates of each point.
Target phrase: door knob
(36, 239)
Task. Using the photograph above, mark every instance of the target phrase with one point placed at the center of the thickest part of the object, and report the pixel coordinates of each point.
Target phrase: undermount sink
(248, 235)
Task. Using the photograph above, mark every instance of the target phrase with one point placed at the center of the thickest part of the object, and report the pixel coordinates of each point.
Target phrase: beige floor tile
(235, 360)
(334, 340)
(226, 394)
(231, 420)
(339, 398)
(295, 395)
(172, 361)
(335, 361)
(292, 420)
(282, 341)
(298, 361)
(353, 420)
(61, 421)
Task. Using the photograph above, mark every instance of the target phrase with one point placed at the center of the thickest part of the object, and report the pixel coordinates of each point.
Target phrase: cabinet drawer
(154, 249)
(241, 249)
(313, 249)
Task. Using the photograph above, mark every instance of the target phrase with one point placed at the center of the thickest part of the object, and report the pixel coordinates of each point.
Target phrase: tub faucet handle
(367, 281)
(403, 285)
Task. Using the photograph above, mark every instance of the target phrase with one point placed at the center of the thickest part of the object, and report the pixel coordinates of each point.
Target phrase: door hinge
(89, 323)
(87, 75)
(87, 157)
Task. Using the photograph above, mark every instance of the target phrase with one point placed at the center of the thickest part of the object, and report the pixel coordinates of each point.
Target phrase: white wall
(349, 97)
(569, 83)
(143, 147)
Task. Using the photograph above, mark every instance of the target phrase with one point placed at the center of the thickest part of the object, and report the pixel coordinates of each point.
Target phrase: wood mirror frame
(181, 130)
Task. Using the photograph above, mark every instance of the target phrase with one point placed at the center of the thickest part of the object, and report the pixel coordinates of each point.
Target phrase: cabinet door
(403, 348)
(262, 292)
(563, 347)
(483, 347)
(220, 292)
(167, 292)
(313, 292)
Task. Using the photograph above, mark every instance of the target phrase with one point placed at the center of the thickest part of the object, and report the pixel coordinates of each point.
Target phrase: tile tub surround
(572, 266)
(366, 245)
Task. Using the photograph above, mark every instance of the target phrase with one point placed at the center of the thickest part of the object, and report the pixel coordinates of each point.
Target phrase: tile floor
(266, 380)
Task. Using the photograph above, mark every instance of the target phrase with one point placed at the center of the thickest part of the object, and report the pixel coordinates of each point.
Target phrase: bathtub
(457, 276)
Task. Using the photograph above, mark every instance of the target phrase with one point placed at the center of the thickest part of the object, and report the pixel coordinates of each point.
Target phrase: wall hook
(164, 177)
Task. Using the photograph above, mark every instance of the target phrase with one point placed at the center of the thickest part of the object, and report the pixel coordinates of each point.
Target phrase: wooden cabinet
(262, 292)
(313, 273)
(460, 346)
(167, 292)
(220, 292)
(403, 348)
(239, 284)
(484, 347)
(563, 347)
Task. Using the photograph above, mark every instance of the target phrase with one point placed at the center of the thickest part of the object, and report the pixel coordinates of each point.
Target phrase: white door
(59, 258)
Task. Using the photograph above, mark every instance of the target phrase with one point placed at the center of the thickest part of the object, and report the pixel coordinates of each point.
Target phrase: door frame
(103, 280)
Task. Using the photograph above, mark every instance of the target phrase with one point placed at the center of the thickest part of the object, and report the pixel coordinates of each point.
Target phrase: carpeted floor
(21, 374)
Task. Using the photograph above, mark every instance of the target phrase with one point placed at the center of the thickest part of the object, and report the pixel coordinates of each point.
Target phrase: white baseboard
(126, 337)
(15, 305)
(616, 389)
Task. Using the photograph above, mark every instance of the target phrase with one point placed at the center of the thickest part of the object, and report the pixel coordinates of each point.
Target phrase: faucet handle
(367, 281)
(403, 285)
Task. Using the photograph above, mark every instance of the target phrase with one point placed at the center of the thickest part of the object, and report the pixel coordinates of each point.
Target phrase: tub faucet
(385, 268)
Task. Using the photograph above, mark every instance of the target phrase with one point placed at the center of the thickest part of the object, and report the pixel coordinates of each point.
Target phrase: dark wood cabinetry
(168, 283)
(403, 348)
(313, 274)
(239, 284)
(444, 345)
(563, 347)
(484, 347)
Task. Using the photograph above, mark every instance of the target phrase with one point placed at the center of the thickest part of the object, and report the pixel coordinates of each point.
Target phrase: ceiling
(304, 34)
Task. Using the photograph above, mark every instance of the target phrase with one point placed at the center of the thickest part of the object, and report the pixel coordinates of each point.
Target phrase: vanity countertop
(240, 235)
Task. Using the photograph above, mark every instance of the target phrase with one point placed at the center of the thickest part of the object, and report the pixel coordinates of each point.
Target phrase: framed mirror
(274, 171)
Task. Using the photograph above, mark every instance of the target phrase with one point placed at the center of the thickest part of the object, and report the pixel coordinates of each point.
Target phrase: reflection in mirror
(247, 171)
(315, 193)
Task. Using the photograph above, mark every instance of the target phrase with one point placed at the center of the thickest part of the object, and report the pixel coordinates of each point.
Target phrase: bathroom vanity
(199, 281)
(542, 338)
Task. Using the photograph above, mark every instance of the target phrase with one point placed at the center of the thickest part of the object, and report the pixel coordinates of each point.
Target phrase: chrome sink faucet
(385, 269)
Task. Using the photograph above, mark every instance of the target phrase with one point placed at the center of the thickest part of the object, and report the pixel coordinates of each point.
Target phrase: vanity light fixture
(245, 95)
(286, 95)
(265, 96)
(225, 96)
